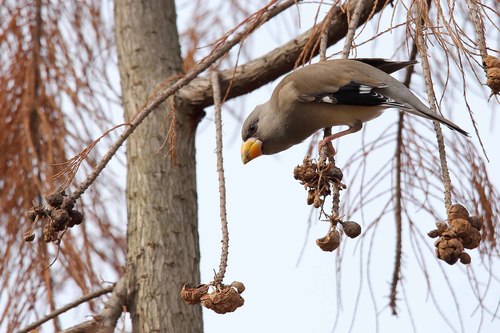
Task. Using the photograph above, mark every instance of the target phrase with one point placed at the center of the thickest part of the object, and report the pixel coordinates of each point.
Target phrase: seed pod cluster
(59, 214)
(225, 298)
(332, 240)
(492, 68)
(461, 232)
(317, 179)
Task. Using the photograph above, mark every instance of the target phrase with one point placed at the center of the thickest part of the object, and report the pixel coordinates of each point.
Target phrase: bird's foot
(327, 142)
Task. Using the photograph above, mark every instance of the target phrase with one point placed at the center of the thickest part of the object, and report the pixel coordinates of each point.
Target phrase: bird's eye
(252, 128)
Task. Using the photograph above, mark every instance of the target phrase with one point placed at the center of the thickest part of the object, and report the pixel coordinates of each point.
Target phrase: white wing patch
(365, 89)
(329, 99)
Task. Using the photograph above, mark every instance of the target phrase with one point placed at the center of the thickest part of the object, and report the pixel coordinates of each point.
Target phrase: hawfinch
(329, 93)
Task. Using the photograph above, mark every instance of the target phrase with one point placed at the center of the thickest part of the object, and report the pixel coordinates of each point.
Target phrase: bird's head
(264, 132)
(250, 133)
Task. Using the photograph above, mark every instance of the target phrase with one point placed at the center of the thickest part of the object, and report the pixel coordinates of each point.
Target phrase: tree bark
(163, 250)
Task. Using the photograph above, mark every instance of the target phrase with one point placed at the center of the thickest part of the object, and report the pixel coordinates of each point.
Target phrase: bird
(329, 93)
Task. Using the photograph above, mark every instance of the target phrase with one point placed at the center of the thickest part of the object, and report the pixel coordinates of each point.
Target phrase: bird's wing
(353, 93)
(342, 82)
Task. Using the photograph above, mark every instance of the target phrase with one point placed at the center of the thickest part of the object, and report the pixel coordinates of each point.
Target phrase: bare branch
(422, 48)
(353, 24)
(398, 209)
(67, 307)
(219, 277)
(114, 306)
(89, 326)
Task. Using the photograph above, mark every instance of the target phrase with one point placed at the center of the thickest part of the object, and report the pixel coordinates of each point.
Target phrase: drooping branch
(219, 277)
(281, 60)
(422, 47)
(399, 199)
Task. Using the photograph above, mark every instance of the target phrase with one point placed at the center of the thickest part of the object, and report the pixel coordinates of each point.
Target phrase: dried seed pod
(460, 226)
(476, 222)
(493, 79)
(55, 199)
(223, 301)
(76, 217)
(317, 201)
(335, 173)
(67, 204)
(449, 250)
(49, 234)
(465, 258)
(457, 211)
(442, 226)
(434, 233)
(449, 234)
(491, 62)
(472, 239)
(311, 194)
(351, 229)
(330, 242)
(240, 287)
(192, 295)
(60, 219)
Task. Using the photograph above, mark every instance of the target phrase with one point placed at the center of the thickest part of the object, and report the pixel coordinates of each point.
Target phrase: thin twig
(219, 277)
(422, 48)
(399, 197)
(163, 95)
(353, 24)
(478, 26)
(67, 307)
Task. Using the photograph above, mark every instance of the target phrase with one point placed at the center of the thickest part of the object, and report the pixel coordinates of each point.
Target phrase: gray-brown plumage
(329, 93)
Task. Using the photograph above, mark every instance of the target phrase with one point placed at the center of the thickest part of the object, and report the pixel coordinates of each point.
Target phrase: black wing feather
(356, 94)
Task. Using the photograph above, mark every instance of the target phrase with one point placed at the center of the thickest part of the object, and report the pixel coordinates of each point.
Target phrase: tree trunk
(163, 249)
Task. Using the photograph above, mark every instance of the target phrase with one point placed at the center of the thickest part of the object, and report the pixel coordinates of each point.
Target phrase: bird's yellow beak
(250, 149)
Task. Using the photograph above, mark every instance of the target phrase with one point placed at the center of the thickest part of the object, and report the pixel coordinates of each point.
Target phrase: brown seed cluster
(332, 240)
(461, 232)
(225, 298)
(492, 68)
(58, 215)
(317, 179)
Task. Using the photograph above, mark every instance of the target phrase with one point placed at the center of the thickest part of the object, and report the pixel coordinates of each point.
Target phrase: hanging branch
(478, 27)
(421, 43)
(328, 172)
(222, 182)
(399, 196)
(225, 298)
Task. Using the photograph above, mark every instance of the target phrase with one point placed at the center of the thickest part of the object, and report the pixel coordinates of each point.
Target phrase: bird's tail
(427, 113)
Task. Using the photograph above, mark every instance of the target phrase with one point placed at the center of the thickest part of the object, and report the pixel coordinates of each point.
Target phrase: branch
(67, 307)
(89, 326)
(399, 196)
(421, 43)
(114, 307)
(219, 277)
(281, 60)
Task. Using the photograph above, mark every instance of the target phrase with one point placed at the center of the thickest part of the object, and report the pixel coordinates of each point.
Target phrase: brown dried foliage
(52, 57)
